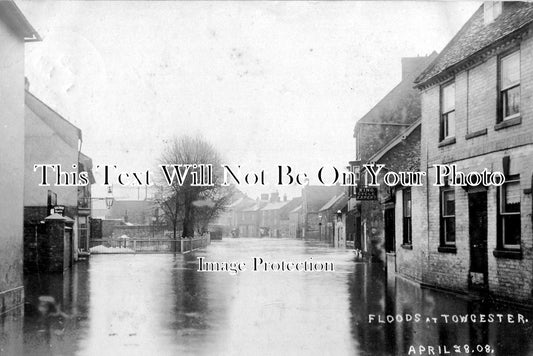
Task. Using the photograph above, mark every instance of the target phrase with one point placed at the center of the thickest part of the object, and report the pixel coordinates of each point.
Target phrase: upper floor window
(447, 122)
(491, 10)
(407, 226)
(510, 86)
(509, 213)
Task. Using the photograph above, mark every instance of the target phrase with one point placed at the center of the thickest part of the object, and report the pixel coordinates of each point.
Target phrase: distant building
(228, 222)
(296, 222)
(332, 222)
(248, 219)
(313, 199)
(135, 212)
(274, 216)
(15, 30)
(477, 113)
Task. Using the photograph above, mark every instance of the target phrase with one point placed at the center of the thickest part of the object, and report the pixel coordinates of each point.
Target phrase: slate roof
(275, 205)
(335, 202)
(255, 207)
(475, 36)
(395, 141)
(297, 209)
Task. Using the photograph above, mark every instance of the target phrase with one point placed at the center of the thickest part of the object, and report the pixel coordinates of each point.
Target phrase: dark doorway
(69, 248)
(390, 239)
(358, 236)
(477, 213)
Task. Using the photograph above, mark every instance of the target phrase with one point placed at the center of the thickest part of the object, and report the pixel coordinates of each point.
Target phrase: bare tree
(183, 201)
(211, 207)
(171, 207)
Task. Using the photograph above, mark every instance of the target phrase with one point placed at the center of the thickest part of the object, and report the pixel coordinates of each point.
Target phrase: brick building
(387, 237)
(15, 31)
(51, 139)
(477, 113)
(386, 122)
(313, 199)
(332, 221)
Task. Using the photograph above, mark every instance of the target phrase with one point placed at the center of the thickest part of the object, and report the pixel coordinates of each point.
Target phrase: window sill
(447, 141)
(407, 246)
(508, 123)
(476, 134)
(511, 254)
(447, 249)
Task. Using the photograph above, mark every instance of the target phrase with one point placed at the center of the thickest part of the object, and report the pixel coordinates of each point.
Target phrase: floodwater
(161, 305)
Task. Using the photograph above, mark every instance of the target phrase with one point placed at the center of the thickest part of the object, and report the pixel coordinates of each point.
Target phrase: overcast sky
(267, 83)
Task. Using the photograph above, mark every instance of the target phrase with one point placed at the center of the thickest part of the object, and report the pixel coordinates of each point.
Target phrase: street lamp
(109, 202)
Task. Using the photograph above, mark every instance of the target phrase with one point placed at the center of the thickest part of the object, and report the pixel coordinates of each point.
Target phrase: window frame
(444, 218)
(503, 214)
(503, 90)
(444, 122)
(407, 227)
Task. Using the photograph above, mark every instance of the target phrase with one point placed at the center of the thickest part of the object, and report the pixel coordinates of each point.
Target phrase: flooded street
(161, 305)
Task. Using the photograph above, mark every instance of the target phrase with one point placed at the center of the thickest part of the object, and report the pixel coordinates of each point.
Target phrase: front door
(477, 211)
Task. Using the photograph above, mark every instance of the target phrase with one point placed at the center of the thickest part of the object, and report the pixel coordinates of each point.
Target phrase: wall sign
(59, 209)
(366, 193)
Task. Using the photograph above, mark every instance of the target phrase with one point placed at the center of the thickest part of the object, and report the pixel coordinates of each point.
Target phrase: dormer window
(491, 10)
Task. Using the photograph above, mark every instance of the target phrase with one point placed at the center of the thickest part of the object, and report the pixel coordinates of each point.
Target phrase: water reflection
(380, 296)
(160, 304)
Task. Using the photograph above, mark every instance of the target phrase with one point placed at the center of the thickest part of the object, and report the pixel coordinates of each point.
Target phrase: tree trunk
(188, 220)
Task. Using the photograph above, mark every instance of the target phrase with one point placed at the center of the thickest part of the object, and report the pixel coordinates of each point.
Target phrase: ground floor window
(447, 214)
(509, 218)
(407, 227)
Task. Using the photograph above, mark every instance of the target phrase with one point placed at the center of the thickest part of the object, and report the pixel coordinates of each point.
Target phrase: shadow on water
(55, 311)
(372, 293)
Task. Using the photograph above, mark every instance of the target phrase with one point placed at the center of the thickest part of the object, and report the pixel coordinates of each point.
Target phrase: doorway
(390, 238)
(477, 213)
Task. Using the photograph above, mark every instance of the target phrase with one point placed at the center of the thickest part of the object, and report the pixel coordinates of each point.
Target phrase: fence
(108, 246)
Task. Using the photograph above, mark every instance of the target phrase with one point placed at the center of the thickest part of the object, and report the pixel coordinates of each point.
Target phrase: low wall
(130, 245)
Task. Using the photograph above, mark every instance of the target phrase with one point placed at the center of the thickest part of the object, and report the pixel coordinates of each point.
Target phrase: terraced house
(477, 113)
